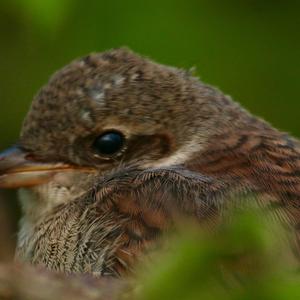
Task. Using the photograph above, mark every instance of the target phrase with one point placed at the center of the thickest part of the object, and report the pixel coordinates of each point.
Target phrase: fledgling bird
(116, 146)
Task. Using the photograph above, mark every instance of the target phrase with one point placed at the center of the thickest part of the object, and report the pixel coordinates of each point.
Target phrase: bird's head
(105, 111)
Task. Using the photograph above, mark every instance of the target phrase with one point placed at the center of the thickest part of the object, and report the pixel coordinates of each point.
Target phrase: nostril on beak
(11, 158)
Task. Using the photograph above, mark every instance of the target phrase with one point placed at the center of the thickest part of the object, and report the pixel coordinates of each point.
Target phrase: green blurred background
(249, 49)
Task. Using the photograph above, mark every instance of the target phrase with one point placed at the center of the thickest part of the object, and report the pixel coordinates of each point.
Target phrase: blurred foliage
(244, 259)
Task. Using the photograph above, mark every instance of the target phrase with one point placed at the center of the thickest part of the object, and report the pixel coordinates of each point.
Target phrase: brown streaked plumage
(188, 150)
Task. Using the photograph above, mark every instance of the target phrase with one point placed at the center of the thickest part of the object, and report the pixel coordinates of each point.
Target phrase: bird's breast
(83, 236)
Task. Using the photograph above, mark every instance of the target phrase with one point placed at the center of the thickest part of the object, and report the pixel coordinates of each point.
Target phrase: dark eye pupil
(109, 143)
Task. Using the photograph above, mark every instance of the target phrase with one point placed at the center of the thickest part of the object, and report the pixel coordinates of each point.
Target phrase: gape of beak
(18, 169)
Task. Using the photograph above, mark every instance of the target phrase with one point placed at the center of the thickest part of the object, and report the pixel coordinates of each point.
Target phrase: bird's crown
(156, 109)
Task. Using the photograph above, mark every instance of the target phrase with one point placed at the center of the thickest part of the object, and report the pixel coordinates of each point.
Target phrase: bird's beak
(18, 169)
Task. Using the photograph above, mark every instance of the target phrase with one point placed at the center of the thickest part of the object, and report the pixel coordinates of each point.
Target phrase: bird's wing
(173, 190)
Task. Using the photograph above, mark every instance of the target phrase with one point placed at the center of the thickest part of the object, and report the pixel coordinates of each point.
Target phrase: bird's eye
(109, 143)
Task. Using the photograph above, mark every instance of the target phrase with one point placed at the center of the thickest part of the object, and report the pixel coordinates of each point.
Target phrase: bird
(116, 148)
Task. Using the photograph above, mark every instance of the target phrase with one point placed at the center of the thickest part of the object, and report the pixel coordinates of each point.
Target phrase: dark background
(249, 49)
